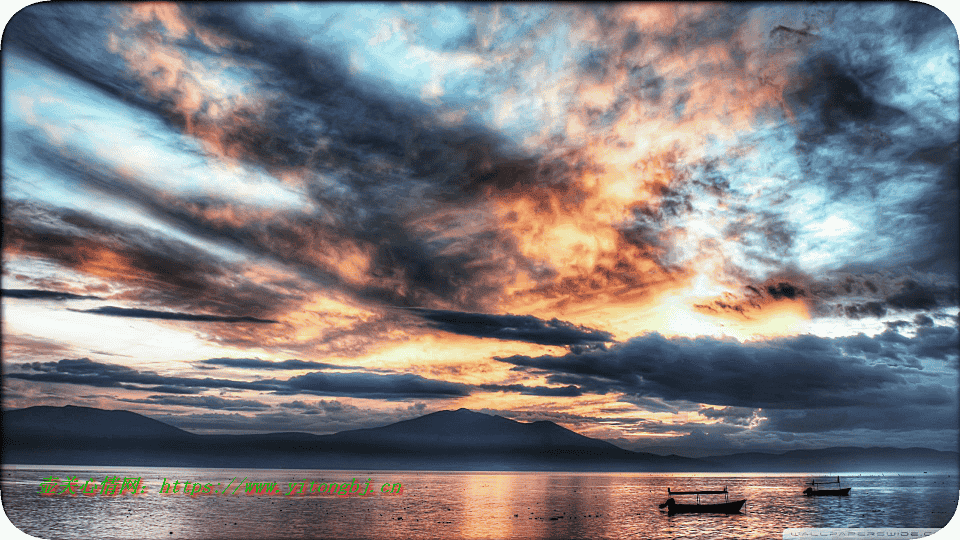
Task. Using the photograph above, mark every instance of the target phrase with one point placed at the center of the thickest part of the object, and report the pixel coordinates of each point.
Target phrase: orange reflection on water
(487, 500)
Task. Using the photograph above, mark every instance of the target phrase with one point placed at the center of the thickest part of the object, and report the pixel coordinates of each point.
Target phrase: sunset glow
(645, 222)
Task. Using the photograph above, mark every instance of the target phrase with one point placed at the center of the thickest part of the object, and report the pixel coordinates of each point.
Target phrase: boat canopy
(725, 493)
(671, 492)
(815, 483)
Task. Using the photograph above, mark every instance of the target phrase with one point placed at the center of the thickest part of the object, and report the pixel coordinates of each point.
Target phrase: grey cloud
(512, 327)
(387, 386)
(170, 316)
(784, 290)
(206, 402)
(804, 372)
(363, 124)
(563, 391)
(735, 413)
(867, 309)
(913, 296)
(37, 294)
(373, 385)
(179, 275)
(256, 363)
(920, 408)
(84, 371)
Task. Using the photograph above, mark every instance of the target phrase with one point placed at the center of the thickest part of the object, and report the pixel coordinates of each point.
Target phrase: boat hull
(826, 492)
(732, 507)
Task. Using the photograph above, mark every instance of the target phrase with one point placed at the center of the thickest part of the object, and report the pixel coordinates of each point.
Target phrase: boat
(817, 492)
(726, 507)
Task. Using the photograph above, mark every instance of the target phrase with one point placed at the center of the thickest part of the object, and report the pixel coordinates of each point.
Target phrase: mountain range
(444, 440)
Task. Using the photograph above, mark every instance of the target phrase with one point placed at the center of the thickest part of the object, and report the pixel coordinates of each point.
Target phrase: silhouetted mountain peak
(465, 429)
(74, 421)
(452, 439)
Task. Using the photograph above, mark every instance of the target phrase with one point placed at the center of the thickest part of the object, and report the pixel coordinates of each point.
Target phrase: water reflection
(473, 505)
(486, 499)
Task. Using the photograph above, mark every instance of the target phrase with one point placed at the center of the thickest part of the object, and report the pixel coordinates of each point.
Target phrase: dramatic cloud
(83, 371)
(34, 294)
(804, 373)
(206, 402)
(711, 221)
(373, 385)
(512, 327)
(166, 315)
(171, 271)
(256, 363)
(560, 391)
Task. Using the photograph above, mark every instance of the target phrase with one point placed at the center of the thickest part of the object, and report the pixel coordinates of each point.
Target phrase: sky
(694, 228)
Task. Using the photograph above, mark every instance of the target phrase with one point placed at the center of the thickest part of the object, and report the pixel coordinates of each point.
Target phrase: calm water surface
(468, 505)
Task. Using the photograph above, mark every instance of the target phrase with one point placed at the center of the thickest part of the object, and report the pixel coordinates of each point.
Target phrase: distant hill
(444, 440)
(464, 429)
(450, 439)
(71, 421)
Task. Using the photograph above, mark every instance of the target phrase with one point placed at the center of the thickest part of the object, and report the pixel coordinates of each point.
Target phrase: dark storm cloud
(164, 389)
(784, 290)
(320, 407)
(738, 414)
(775, 235)
(562, 391)
(913, 296)
(443, 166)
(854, 296)
(804, 384)
(169, 316)
(36, 294)
(86, 372)
(205, 402)
(385, 178)
(921, 408)
(937, 342)
(896, 325)
(804, 372)
(164, 270)
(861, 131)
(256, 363)
(316, 96)
(372, 385)
(83, 371)
(70, 39)
(380, 148)
(290, 239)
(859, 296)
(893, 296)
(373, 207)
(756, 296)
(525, 328)
(867, 309)
(938, 205)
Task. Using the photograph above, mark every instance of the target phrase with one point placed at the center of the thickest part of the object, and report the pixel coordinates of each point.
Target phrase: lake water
(526, 505)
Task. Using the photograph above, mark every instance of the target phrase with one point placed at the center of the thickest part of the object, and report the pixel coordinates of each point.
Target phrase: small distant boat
(817, 492)
(726, 507)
